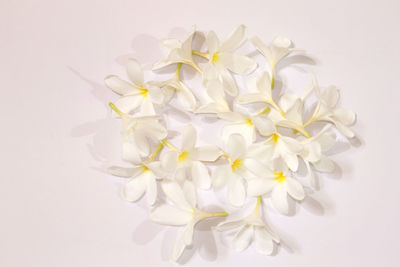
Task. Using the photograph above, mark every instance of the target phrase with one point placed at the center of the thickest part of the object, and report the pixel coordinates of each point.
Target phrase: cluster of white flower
(260, 157)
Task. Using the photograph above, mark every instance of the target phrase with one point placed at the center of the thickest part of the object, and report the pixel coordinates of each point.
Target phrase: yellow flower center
(144, 92)
(215, 57)
(275, 138)
(183, 156)
(237, 164)
(145, 169)
(249, 122)
(279, 177)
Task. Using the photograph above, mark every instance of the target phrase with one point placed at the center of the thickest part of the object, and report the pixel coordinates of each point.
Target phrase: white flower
(135, 94)
(240, 166)
(183, 212)
(279, 146)
(279, 48)
(261, 88)
(246, 125)
(222, 59)
(326, 111)
(143, 179)
(252, 228)
(312, 153)
(218, 103)
(279, 184)
(178, 53)
(189, 159)
(135, 133)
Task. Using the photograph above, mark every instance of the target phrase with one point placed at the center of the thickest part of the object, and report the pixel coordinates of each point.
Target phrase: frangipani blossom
(222, 59)
(183, 212)
(135, 94)
(279, 184)
(326, 111)
(279, 48)
(246, 125)
(178, 53)
(218, 103)
(279, 146)
(261, 88)
(240, 166)
(136, 131)
(190, 158)
(312, 153)
(142, 180)
(253, 228)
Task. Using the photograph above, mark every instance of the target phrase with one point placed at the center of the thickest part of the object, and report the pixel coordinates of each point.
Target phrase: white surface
(58, 209)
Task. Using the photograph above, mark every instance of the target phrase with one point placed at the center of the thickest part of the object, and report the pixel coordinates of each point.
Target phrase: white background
(57, 207)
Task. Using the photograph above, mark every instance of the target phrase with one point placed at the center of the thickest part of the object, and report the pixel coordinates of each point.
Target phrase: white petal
(179, 246)
(256, 167)
(279, 199)
(231, 116)
(263, 240)
(330, 96)
(175, 193)
(135, 188)
(212, 42)
(135, 72)
(344, 130)
(225, 226)
(287, 101)
(236, 146)
(156, 94)
(243, 238)
(260, 186)
(295, 189)
(190, 193)
(236, 192)
(170, 215)
(130, 152)
(235, 39)
(220, 176)
(291, 160)
(186, 97)
(244, 129)
(119, 86)
(229, 82)
(264, 125)
(200, 175)
(141, 143)
(292, 144)
(151, 189)
(147, 108)
(169, 161)
(125, 172)
(238, 63)
(207, 153)
(345, 116)
(251, 98)
(189, 137)
(325, 164)
(128, 103)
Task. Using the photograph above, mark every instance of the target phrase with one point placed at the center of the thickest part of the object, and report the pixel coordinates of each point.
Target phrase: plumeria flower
(253, 228)
(143, 179)
(261, 92)
(218, 103)
(279, 48)
(222, 59)
(135, 94)
(279, 147)
(312, 153)
(183, 212)
(190, 158)
(136, 131)
(279, 184)
(326, 111)
(240, 166)
(178, 53)
(246, 125)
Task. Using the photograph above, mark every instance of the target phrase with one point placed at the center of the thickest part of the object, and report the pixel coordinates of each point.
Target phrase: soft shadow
(146, 232)
(313, 206)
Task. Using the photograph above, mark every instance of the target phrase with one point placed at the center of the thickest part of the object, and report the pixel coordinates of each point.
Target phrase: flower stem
(168, 144)
(178, 69)
(119, 112)
(258, 205)
(272, 77)
(216, 214)
(201, 54)
(155, 153)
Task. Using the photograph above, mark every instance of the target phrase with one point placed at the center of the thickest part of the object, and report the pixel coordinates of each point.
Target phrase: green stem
(168, 144)
(155, 153)
(201, 54)
(119, 112)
